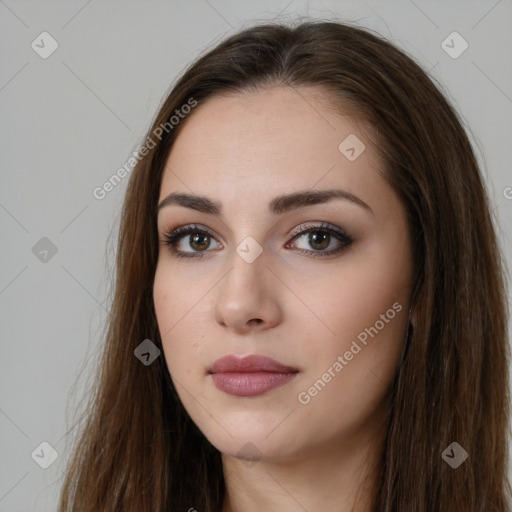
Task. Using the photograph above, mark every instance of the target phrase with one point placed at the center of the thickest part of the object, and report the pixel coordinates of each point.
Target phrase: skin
(243, 150)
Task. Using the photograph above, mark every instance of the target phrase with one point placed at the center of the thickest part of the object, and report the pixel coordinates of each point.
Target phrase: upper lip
(249, 364)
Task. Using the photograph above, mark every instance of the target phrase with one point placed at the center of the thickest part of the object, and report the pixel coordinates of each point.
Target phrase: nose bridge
(248, 256)
(249, 250)
(248, 265)
(244, 295)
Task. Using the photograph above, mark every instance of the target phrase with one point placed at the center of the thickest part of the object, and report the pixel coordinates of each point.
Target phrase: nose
(248, 296)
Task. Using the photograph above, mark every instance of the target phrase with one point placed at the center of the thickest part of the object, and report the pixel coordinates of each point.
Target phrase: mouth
(253, 375)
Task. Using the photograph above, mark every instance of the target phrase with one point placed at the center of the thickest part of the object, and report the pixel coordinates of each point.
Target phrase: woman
(309, 309)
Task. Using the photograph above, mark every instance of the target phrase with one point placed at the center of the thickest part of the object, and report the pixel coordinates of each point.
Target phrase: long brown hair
(140, 451)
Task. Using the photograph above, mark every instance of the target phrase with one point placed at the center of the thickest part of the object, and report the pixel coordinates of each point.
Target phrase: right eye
(200, 239)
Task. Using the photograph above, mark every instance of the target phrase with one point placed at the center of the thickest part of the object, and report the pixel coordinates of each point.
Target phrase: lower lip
(250, 384)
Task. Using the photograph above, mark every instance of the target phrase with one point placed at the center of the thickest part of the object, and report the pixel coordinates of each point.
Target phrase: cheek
(368, 313)
(174, 299)
(177, 305)
(164, 305)
(168, 310)
(365, 306)
(377, 275)
(357, 292)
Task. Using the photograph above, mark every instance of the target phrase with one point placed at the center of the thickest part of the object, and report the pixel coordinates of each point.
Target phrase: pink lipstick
(249, 376)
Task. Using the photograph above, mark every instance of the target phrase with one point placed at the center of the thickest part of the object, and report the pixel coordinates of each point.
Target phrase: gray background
(69, 121)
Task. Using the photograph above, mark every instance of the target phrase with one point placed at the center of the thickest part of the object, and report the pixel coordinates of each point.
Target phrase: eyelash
(172, 238)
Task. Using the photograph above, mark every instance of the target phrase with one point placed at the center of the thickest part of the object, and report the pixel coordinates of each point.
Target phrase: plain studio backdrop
(79, 84)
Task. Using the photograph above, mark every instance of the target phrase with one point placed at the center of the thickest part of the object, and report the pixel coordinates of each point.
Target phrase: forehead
(269, 141)
(279, 117)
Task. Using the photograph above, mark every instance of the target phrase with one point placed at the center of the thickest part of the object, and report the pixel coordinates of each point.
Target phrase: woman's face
(329, 307)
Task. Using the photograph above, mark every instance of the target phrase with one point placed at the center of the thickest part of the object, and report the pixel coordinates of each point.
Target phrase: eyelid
(184, 230)
(320, 227)
(295, 231)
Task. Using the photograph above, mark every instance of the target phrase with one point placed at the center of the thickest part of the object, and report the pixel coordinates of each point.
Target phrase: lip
(248, 376)
(249, 364)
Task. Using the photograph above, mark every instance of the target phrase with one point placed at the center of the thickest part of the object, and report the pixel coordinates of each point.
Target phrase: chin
(254, 442)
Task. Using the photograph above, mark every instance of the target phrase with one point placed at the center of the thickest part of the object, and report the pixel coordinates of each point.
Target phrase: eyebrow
(279, 205)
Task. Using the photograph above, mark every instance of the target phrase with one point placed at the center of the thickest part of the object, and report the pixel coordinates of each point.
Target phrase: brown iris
(319, 237)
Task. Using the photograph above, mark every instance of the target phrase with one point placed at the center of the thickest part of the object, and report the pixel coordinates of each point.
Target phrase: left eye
(318, 237)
